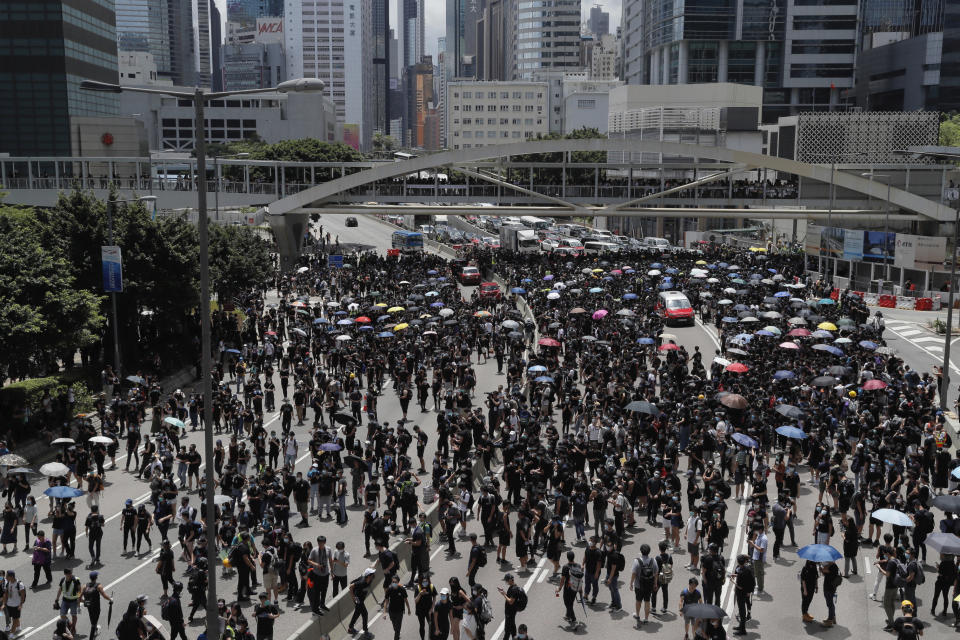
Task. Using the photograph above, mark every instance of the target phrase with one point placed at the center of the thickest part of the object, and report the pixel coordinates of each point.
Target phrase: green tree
(950, 130)
(239, 260)
(42, 313)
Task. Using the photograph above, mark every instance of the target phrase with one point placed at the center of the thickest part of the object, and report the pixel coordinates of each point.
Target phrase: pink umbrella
(548, 342)
(616, 272)
(600, 314)
(789, 345)
(874, 385)
(669, 346)
(799, 332)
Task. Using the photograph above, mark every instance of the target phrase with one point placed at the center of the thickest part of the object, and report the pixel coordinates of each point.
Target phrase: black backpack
(481, 558)
(521, 601)
(648, 571)
(718, 572)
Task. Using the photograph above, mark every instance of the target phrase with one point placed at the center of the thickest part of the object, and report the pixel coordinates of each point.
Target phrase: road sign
(335, 262)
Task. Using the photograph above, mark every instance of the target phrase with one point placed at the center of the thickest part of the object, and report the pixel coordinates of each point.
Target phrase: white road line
(529, 585)
(935, 347)
(866, 565)
(727, 592)
(22, 631)
(909, 332)
(928, 339)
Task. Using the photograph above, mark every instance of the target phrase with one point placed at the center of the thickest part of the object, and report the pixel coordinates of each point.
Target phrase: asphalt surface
(774, 612)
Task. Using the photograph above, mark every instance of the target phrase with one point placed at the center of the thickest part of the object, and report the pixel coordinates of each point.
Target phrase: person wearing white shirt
(290, 451)
(758, 553)
(694, 531)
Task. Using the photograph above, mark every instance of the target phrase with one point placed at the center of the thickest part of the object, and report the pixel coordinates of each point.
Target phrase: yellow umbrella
(598, 270)
(758, 249)
(402, 325)
(827, 326)
(380, 304)
(701, 262)
(394, 309)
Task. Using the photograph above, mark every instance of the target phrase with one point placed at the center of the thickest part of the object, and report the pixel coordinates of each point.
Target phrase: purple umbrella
(600, 314)
(330, 446)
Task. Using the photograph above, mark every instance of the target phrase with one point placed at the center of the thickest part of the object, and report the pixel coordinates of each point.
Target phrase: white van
(596, 247)
(657, 243)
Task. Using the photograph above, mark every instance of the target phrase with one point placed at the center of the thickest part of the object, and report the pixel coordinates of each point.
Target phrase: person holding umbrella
(946, 577)
(831, 582)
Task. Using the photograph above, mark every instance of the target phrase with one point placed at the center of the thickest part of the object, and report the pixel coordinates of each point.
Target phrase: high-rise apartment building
(331, 40)
(801, 52)
(547, 36)
(599, 22)
(49, 48)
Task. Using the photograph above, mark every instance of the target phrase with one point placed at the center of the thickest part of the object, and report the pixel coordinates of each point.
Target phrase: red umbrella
(737, 367)
(548, 342)
(271, 333)
(874, 385)
(799, 332)
(668, 347)
(363, 319)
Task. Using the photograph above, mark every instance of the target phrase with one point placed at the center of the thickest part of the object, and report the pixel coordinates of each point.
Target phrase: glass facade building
(547, 35)
(47, 48)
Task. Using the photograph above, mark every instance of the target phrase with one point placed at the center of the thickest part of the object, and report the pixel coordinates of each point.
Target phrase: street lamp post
(886, 221)
(200, 98)
(114, 319)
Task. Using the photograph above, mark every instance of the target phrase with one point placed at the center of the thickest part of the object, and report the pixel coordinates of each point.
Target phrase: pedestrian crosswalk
(918, 337)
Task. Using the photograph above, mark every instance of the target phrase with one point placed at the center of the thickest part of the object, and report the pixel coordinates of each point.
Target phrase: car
(490, 291)
(491, 242)
(567, 251)
(350, 221)
(673, 306)
(469, 275)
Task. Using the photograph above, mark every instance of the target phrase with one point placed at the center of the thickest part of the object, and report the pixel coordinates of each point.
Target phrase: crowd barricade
(924, 304)
(871, 299)
(887, 301)
(905, 302)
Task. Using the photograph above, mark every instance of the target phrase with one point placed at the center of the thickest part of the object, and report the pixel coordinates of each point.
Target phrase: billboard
(831, 242)
(919, 252)
(269, 30)
(878, 246)
(351, 135)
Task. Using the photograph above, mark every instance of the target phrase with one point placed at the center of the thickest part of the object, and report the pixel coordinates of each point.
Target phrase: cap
(129, 502)
(508, 577)
(368, 572)
(142, 597)
(93, 574)
(264, 595)
(445, 591)
(905, 604)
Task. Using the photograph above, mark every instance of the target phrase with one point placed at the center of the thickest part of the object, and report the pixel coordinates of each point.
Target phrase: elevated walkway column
(289, 229)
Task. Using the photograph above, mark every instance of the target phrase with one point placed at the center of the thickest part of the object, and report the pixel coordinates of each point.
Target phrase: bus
(537, 224)
(407, 241)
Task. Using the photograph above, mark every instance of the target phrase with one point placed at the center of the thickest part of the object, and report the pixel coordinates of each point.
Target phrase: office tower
(48, 51)
(599, 22)
(440, 77)
(246, 12)
(176, 32)
(949, 97)
(412, 19)
(495, 48)
(800, 53)
(547, 36)
(216, 41)
(331, 40)
(463, 37)
(381, 32)
(420, 98)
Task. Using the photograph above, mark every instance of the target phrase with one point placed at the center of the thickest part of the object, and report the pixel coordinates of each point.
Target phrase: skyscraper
(494, 46)
(463, 45)
(176, 32)
(381, 65)
(547, 36)
(331, 40)
(411, 31)
(802, 55)
(48, 51)
(247, 11)
(599, 22)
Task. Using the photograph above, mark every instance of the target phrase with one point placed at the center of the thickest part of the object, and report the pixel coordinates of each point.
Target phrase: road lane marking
(928, 339)
(866, 565)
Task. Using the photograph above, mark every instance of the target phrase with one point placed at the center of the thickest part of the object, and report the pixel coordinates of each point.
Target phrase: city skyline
(435, 26)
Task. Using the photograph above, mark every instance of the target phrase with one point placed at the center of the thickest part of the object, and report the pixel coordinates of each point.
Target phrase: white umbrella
(722, 361)
(54, 469)
(221, 499)
(553, 295)
(300, 332)
(625, 312)
(446, 312)
(510, 324)
(303, 269)
(333, 304)
(725, 301)
(653, 272)
(101, 440)
(713, 280)
(890, 516)
(64, 441)
(729, 290)
(353, 306)
(667, 336)
(343, 338)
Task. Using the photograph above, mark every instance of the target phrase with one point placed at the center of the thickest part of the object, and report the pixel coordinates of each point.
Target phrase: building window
(702, 62)
(586, 104)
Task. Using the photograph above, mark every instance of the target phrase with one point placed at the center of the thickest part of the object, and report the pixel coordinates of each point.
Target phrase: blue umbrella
(629, 296)
(320, 321)
(382, 318)
(330, 446)
(827, 301)
(236, 351)
(431, 294)
(783, 374)
(345, 322)
(436, 304)
(819, 553)
(656, 265)
(711, 266)
(537, 368)
(340, 312)
(723, 265)
(729, 319)
(63, 492)
(527, 280)
(782, 294)
(763, 332)
(866, 344)
(652, 341)
(829, 349)
(596, 290)
(744, 337)
(741, 307)
(543, 379)
(175, 422)
(432, 272)
(792, 432)
(519, 290)
(665, 285)
(548, 277)
(672, 270)
(366, 327)
(745, 440)
(385, 334)
(441, 278)
(821, 333)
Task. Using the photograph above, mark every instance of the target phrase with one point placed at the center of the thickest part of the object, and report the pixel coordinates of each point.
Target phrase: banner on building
(112, 269)
(878, 246)
(919, 252)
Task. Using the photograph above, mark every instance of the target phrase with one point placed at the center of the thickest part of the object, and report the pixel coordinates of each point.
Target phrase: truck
(519, 239)
(415, 221)
(407, 241)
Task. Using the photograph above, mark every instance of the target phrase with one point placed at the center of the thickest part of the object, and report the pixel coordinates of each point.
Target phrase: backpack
(621, 562)
(234, 555)
(666, 572)
(908, 630)
(486, 609)
(836, 581)
(482, 558)
(165, 609)
(647, 571)
(574, 577)
(925, 523)
(718, 571)
(920, 578)
(521, 601)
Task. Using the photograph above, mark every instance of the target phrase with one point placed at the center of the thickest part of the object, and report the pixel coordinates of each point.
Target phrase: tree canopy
(950, 131)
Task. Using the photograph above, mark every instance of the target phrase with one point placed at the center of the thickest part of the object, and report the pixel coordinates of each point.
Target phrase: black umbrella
(947, 503)
(824, 381)
(642, 406)
(789, 411)
(110, 608)
(354, 462)
(450, 323)
(703, 611)
(838, 370)
(344, 419)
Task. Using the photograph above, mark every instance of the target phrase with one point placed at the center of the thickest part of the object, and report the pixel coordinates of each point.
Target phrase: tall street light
(111, 205)
(886, 220)
(200, 98)
(945, 374)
